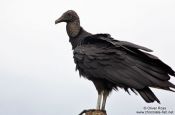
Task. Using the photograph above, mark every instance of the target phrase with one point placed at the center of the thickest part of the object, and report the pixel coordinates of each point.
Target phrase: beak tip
(59, 20)
(56, 22)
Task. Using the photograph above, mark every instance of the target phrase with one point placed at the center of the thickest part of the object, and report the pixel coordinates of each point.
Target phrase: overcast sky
(37, 72)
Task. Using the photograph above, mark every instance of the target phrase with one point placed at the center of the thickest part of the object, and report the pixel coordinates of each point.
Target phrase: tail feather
(171, 86)
(148, 95)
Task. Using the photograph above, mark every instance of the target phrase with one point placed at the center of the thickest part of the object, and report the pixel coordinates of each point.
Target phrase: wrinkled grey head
(68, 16)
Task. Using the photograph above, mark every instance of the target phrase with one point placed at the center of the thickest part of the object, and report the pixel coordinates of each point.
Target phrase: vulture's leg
(99, 100)
(105, 95)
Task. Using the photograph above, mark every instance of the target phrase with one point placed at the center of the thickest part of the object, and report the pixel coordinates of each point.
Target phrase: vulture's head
(69, 16)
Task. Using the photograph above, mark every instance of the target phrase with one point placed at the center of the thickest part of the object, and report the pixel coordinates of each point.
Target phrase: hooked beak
(59, 20)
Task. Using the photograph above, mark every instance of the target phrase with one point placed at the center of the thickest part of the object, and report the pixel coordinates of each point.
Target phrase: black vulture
(111, 64)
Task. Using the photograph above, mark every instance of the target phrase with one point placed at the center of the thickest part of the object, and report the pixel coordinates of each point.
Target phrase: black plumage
(111, 63)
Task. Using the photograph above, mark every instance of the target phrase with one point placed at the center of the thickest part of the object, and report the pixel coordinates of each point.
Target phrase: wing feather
(119, 65)
(114, 65)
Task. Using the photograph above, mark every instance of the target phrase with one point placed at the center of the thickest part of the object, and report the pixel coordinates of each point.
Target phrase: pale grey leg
(105, 95)
(99, 101)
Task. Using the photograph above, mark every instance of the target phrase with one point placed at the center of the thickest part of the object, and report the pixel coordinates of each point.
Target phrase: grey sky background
(37, 72)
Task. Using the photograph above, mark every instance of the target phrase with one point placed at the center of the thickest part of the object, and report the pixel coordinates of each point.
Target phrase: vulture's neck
(76, 33)
(73, 28)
